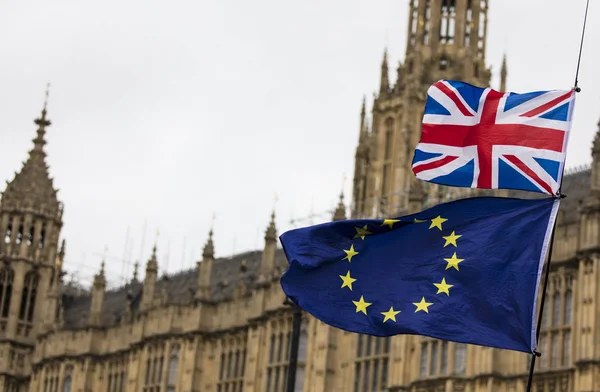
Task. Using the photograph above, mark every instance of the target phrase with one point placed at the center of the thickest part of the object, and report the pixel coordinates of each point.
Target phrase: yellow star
(420, 221)
(389, 222)
(451, 239)
(350, 253)
(422, 305)
(443, 287)
(361, 305)
(348, 280)
(437, 222)
(390, 314)
(361, 232)
(453, 262)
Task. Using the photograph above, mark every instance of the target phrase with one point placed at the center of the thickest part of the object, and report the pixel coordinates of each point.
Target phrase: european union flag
(464, 271)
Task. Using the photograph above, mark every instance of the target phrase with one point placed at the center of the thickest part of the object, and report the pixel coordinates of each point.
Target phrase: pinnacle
(32, 186)
(385, 84)
(363, 113)
(340, 211)
(152, 262)
(62, 251)
(136, 266)
(99, 279)
(271, 233)
(209, 248)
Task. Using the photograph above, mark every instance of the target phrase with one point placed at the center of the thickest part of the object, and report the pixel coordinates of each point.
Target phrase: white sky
(170, 111)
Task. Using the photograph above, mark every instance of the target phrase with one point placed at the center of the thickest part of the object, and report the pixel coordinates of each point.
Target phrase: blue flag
(464, 271)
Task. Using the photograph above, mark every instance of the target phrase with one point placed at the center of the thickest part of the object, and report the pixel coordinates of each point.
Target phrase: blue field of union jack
(480, 138)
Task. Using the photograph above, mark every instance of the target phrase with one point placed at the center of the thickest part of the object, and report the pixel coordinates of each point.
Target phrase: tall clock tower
(446, 40)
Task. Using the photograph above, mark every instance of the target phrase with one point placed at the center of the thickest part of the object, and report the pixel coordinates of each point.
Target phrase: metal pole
(294, 344)
(542, 302)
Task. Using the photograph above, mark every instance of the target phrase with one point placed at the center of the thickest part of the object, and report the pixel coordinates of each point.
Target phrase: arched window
(8, 233)
(122, 381)
(447, 21)
(222, 367)
(568, 308)
(444, 358)
(460, 358)
(19, 238)
(173, 368)
(433, 359)
(68, 379)
(237, 363)
(30, 235)
(6, 282)
(148, 366)
(28, 297)
(155, 370)
(423, 367)
(371, 366)
(42, 238)
(556, 309)
(280, 347)
(468, 22)
(160, 368)
(272, 349)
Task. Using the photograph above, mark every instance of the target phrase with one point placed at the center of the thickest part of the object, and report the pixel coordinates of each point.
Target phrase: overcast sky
(166, 112)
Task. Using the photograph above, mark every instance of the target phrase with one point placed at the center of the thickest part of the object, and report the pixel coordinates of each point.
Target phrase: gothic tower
(30, 262)
(446, 40)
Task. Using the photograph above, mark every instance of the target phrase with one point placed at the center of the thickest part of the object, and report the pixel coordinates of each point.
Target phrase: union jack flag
(481, 138)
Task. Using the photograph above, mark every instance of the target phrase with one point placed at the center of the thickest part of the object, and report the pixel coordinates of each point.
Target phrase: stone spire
(98, 289)
(340, 211)
(150, 281)
(99, 278)
(32, 186)
(267, 263)
(363, 113)
(61, 254)
(271, 233)
(204, 268)
(209, 247)
(503, 74)
(385, 81)
(136, 267)
(363, 129)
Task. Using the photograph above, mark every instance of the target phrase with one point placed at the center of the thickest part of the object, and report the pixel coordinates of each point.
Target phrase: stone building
(223, 327)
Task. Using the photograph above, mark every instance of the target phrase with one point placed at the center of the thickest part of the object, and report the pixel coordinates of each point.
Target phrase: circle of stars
(423, 305)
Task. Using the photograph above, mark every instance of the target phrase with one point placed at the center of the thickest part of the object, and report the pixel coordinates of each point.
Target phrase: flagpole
(576, 87)
(536, 354)
(294, 345)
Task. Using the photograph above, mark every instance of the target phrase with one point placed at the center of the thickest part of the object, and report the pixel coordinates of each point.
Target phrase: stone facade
(223, 326)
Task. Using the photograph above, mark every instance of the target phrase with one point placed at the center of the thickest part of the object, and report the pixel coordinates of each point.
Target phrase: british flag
(480, 138)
